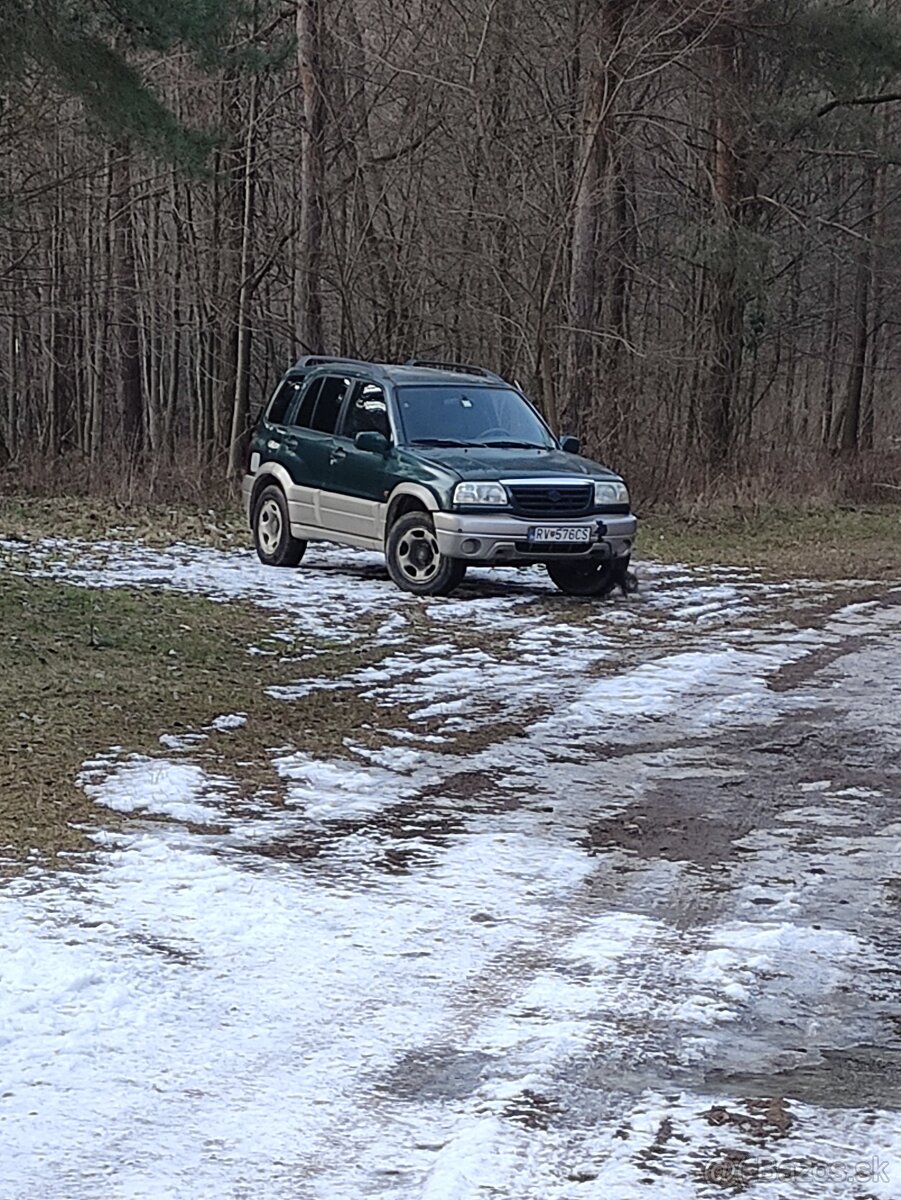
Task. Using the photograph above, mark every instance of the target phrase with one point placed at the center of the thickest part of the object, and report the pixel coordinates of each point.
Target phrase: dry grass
(190, 480)
(789, 543)
(83, 670)
(762, 482)
(818, 538)
(789, 514)
(94, 518)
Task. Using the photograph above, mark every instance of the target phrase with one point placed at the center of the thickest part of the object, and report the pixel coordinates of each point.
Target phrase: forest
(674, 223)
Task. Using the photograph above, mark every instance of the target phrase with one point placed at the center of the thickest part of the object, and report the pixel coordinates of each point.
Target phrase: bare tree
(312, 172)
(676, 223)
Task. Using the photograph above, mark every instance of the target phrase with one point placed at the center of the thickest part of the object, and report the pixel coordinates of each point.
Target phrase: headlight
(479, 493)
(610, 493)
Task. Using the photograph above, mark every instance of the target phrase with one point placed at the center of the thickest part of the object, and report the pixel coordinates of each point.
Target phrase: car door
(274, 425)
(300, 453)
(359, 482)
(320, 413)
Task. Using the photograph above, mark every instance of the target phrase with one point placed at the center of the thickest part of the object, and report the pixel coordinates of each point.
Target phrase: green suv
(436, 464)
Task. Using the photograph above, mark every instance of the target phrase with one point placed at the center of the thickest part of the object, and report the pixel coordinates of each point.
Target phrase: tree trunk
(600, 80)
(876, 306)
(590, 166)
(312, 172)
(727, 314)
(129, 398)
(847, 424)
(240, 408)
(827, 417)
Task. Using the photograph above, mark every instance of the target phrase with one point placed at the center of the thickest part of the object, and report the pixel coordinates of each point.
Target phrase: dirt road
(606, 906)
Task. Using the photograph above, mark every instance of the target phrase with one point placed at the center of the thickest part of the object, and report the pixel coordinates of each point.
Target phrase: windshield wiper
(440, 442)
(515, 445)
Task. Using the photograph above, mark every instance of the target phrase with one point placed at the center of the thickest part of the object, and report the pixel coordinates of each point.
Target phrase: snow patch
(334, 790)
(229, 721)
(155, 785)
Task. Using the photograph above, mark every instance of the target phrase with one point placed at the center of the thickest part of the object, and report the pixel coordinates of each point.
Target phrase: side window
(328, 404)
(367, 413)
(282, 400)
(307, 404)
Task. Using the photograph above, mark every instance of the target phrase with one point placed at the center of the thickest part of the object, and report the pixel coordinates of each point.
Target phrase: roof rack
(460, 368)
(309, 361)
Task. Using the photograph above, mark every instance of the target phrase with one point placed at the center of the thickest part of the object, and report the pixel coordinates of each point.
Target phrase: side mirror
(570, 445)
(372, 441)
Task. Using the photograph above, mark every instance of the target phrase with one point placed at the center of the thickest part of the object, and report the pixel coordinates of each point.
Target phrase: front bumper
(499, 538)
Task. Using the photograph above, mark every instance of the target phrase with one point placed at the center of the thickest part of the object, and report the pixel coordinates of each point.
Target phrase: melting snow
(381, 990)
(153, 785)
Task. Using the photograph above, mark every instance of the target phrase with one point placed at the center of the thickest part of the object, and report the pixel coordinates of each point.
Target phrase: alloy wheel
(418, 555)
(269, 527)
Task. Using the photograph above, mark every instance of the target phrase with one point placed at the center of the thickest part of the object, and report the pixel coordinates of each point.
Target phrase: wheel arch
(409, 497)
(268, 474)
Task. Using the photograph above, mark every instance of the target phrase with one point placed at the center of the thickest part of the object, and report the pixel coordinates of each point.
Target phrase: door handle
(337, 454)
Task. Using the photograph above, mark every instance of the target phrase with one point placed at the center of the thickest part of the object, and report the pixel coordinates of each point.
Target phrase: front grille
(548, 502)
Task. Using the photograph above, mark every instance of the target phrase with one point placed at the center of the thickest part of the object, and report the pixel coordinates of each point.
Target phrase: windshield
(457, 414)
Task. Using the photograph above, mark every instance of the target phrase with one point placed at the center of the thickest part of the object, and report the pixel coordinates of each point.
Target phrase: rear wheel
(272, 530)
(597, 578)
(414, 561)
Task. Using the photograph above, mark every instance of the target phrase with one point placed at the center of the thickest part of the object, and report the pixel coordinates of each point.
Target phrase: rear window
(308, 403)
(281, 402)
(328, 404)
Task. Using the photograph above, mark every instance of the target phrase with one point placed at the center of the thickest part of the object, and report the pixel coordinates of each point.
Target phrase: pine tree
(86, 48)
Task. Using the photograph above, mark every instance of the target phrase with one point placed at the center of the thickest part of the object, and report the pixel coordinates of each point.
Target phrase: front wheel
(414, 561)
(272, 530)
(597, 578)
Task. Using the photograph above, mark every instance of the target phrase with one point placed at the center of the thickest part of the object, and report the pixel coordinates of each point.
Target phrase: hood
(486, 462)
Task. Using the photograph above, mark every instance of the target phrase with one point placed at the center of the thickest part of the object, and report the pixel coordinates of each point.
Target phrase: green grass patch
(820, 544)
(83, 670)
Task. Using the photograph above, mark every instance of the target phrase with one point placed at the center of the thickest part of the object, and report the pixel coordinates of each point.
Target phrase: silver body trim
(317, 514)
(497, 535)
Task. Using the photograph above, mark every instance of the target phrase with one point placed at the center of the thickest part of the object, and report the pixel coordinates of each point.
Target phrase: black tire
(272, 530)
(596, 578)
(414, 561)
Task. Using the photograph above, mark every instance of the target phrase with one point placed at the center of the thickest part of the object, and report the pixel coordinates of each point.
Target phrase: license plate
(566, 534)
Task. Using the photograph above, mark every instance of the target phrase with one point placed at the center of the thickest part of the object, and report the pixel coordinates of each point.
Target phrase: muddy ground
(598, 901)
